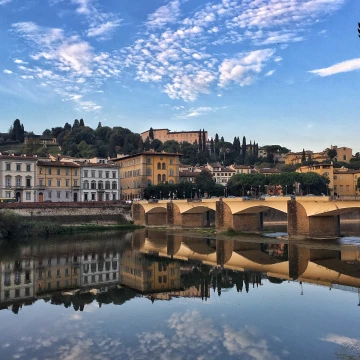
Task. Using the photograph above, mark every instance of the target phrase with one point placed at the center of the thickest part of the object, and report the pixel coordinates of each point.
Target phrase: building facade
(18, 177)
(99, 182)
(221, 175)
(144, 169)
(58, 181)
(179, 136)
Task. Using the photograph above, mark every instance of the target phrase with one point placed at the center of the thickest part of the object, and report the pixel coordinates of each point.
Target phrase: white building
(241, 169)
(99, 182)
(221, 175)
(18, 177)
(100, 269)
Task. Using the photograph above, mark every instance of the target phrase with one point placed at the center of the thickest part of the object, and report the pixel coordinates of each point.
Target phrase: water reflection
(162, 266)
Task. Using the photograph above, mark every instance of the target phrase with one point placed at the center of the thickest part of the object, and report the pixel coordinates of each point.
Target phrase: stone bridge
(307, 217)
(304, 263)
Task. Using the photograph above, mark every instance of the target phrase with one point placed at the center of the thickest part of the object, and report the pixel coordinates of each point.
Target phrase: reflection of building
(17, 177)
(138, 171)
(17, 280)
(192, 292)
(57, 273)
(146, 275)
(99, 269)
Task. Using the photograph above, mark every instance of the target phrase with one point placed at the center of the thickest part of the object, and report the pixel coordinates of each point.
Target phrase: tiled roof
(58, 164)
(148, 153)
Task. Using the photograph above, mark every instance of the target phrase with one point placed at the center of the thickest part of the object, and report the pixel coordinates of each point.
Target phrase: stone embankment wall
(74, 213)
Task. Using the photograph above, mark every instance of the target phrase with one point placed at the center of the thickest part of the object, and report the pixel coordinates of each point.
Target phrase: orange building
(179, 136)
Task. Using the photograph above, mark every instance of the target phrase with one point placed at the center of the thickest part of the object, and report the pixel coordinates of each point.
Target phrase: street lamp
(286, 189)
(184, 194)
(199, 193)
(259, 190)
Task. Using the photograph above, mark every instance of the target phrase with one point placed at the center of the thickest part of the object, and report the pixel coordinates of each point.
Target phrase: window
(107, 196)
(58, 284)
(28, 167)
(148, 160)
(93, 173)
(28, 182)
(114, 196)
(341, 188)
(86, 173)
(49, 274)
(159, 178)
(41, 182)
(8, 167)
(8, 181)
(148, 183)
(100, 185)
(18, 167)
(107, 185)
(107, 174)
(86, 197)
(8, 195)
(171, 161)
(159, 166)
(28, 196)
(58, 171)
(171, 172)
(18, 181)
(58, 194)
(49, 171)
(149, 274)
(165, 279)
(172, 182)
(163, 166)
(172, 272)
(160, 279)
(93, 185)
(114, 185)
(92, 196)
(58, 182)
(67, 195)
(49, 194)
(148, 172)
(164, 178)
(75, 183)
(67, 183)
(75, 172)
(58, 272)
(100, 174)
(17, 293)
(86, 184)
(347, 188)
(49, 182)
(114, 174)
(344, 157)
(66, 171)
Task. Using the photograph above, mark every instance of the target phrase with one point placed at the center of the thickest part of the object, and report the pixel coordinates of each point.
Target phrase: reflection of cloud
(76, 317)
(341, 340)
(247, 342)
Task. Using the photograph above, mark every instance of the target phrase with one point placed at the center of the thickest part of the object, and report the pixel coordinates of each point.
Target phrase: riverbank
(13, 226)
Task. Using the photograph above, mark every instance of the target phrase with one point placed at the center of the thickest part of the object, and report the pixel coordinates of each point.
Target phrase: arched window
(159, 178)
(164, 178)
(159, 166)
(93, 185)
(171, 182)
(148, 172)
(149, 183)
(86, 184)
(163, 166)
(171, 172)
(100, 185)
(114, 185)
(107, 185)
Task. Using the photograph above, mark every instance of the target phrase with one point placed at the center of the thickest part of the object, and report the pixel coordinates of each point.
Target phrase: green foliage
(332, 153)
(16, 131)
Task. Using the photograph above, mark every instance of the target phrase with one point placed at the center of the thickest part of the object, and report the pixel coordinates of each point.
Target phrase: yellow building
(144, 169)
(343, 153)
(179, 136)
(146, 275)
(343, 181)
(58, 181)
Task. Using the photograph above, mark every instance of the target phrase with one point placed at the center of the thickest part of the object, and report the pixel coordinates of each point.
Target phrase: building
(99, 182)
(100, 269)
(144, 274)
(179, 136)
(18, 177)
(40, 140)
(58, 181)
(221, 175)
(343, 181)
(188, 176)
(141, 170)
(344, 153)
(241, 169)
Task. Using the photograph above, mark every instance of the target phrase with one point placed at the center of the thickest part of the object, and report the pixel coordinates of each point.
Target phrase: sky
(277, 71)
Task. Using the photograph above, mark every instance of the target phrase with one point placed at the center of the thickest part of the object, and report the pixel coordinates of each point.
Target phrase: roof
(269, 171)
(347, 171)
(185, 132)
(153, 130)
(241, 167)
(147, 153)
(19, 157)
(58, 164)
(99, 165)
(187, 173)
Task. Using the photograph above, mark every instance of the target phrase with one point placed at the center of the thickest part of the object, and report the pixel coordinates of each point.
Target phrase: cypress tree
(243, 147)
(200, 141)
(76, 124)
(212, 146)
(99, 125)
(204, 140)
(222, 139)
(303, 158)
(216, 138)
(81, 123)
(151, 134)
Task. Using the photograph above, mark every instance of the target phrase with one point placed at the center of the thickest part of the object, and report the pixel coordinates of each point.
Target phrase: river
(169, 295)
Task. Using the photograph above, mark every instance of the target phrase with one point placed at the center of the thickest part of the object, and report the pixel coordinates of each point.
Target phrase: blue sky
(276, 71)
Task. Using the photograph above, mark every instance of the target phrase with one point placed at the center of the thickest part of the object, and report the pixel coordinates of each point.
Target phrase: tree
(156, 144)
(332, 153)
(151, 134)
(204, 140)
(47, 132)
(99, 125)
(67, 127)
(17, 131)
(222, 139)
(243, 149)
(212, 149)
(76, 124)
(81, 123)
(303, 158)
(216, 138)
(200, 141)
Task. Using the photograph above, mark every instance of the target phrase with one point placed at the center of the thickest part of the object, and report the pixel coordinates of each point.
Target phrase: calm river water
(157, 295)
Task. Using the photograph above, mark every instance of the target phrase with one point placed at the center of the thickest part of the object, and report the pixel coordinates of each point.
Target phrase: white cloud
(104, 29)
(341, 340)
(345, 66)
(269, 73)
(164, 15)
(18, 61)
(199, 111)
(6, 71)
(242, 69)
(3, 2)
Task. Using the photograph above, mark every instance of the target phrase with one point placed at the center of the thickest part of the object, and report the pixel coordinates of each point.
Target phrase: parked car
(263, 197)
(246, 198)
(128, 201)
(231, 197)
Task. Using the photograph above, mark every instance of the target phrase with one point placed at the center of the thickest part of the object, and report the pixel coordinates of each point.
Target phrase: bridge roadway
(307, 264)
(308, 217)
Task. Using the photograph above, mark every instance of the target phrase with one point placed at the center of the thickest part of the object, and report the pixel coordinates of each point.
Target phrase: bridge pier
(156, 219)
(301, 226)
(138, 214)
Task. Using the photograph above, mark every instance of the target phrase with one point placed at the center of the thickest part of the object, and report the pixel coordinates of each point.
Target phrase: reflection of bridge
(319, 266)
(307, 217)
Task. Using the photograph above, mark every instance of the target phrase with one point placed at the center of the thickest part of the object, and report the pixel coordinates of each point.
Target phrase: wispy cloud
(103, 30)
(164, 15)
(345, 66)
(3, 2)
(199, 111)
(6, 71)
(269, 73)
